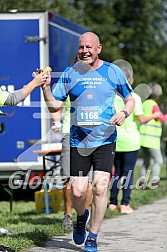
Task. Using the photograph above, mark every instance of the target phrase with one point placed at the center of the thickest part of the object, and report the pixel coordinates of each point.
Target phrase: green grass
(31, 229)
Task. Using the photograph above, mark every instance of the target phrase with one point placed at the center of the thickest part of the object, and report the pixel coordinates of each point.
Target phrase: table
(45, 154)
(4, 183)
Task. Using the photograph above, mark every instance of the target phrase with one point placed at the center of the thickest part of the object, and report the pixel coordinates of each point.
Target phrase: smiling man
(91, 84)
(88, 53)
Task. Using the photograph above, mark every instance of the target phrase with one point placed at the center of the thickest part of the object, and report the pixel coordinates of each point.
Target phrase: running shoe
(88, 226)
(90, 245)
(67, 223)
(79, 232)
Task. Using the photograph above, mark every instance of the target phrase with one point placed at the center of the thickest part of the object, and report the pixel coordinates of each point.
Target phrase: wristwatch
(126, 113)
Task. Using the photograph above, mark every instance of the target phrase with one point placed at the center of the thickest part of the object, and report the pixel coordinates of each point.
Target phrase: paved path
(143, 230)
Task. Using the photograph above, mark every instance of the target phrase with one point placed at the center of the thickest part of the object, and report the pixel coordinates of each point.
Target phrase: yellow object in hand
(48, 69)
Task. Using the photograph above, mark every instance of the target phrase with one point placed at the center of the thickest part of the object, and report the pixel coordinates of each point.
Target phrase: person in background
(151, 139)
(67, 223)
(91, 84)
(127, 148)
(12, 99)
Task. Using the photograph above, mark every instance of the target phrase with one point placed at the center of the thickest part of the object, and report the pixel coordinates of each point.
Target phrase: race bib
(89, 115)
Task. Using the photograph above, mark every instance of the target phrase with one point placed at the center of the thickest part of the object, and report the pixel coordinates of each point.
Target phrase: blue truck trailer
(30, 40)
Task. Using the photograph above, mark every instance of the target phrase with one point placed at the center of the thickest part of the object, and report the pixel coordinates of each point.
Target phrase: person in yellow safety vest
(151, 140)
(127, 148)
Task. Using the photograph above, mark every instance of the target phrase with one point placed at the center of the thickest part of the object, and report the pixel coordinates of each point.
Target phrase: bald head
(90, 36)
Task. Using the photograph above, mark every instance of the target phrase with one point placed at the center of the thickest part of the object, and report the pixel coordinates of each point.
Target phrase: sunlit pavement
(143, 230)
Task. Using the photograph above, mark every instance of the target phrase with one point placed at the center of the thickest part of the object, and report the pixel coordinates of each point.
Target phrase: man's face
(88, 49)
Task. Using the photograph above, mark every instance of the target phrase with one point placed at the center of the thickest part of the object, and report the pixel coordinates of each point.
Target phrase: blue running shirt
(92, 94)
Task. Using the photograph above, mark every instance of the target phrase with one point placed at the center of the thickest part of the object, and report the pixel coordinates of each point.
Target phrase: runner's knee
(100, 187)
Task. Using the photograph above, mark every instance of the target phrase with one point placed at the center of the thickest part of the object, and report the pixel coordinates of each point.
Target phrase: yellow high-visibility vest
(152, 130)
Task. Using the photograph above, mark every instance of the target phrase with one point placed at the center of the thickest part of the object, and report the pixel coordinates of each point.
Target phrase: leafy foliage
(130, 30)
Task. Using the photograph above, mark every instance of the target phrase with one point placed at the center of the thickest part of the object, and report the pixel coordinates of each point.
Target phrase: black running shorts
(101, 158)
